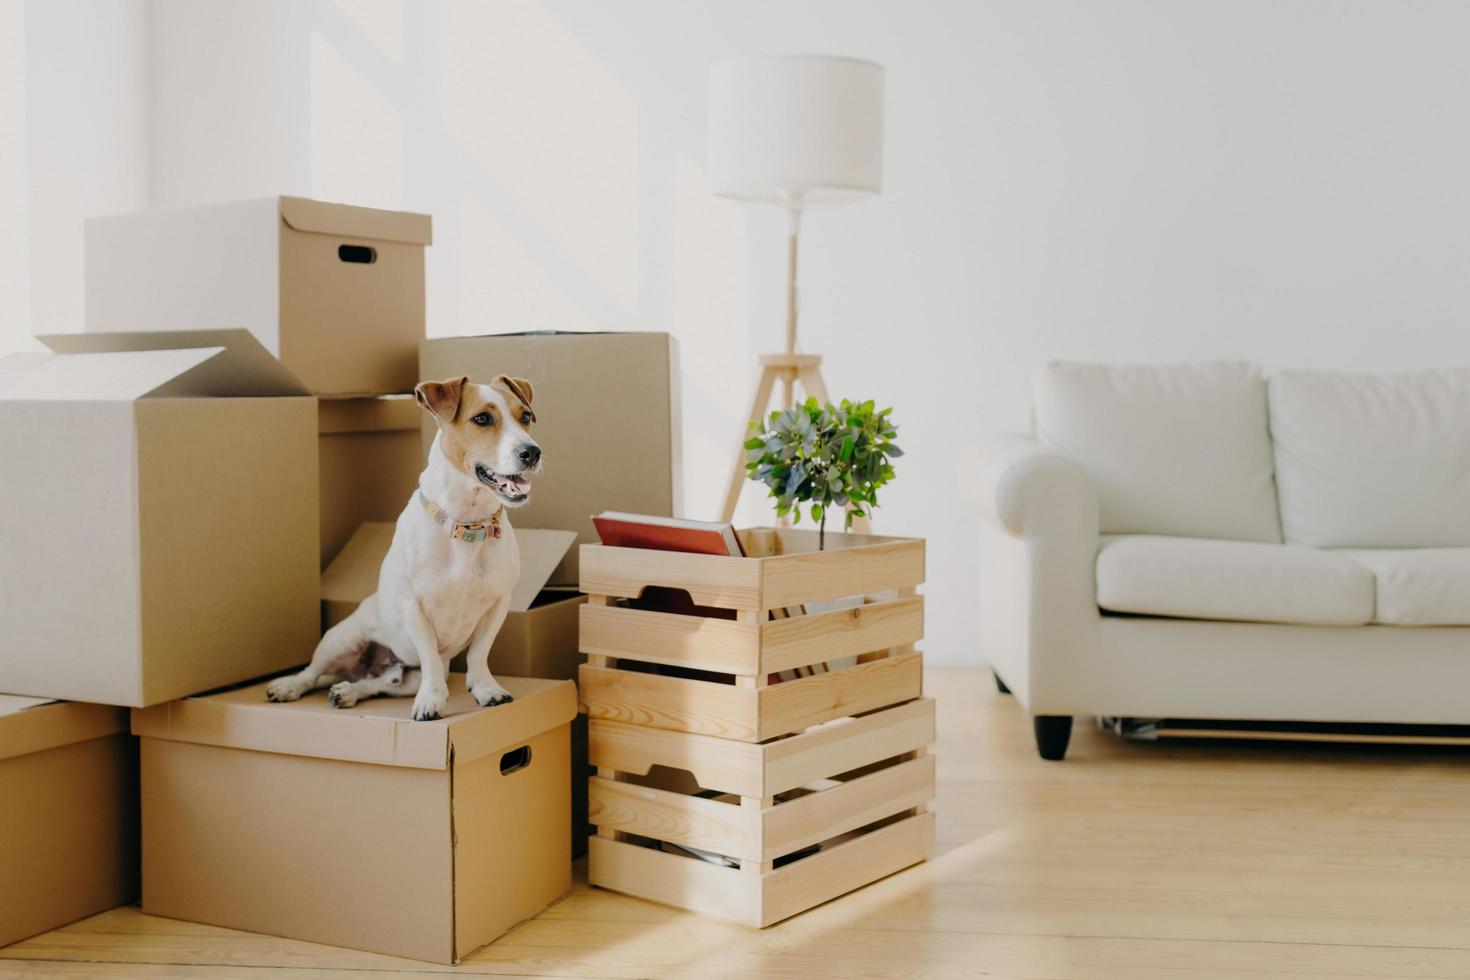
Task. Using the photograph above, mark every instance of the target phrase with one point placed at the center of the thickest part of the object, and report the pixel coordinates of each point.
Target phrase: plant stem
(822, 532)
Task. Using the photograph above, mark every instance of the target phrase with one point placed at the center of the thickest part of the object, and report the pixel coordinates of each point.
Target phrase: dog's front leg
(433, 694)
(483, 686)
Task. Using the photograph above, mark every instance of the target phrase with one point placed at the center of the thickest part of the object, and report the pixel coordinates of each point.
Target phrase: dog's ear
(520, 386)
(441, 398)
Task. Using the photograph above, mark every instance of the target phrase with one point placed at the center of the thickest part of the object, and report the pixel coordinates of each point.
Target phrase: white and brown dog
(444, 587)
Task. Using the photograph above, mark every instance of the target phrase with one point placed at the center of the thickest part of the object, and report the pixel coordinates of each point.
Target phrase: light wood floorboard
(1129, 860)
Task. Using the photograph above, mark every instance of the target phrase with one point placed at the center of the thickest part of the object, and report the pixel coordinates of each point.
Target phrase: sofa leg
(1053, 732)
(1000, 685)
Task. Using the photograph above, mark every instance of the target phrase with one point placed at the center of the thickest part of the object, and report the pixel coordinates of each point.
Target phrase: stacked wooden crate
(722, 787)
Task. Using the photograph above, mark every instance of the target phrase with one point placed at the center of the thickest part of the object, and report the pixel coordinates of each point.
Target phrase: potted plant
(823, 456)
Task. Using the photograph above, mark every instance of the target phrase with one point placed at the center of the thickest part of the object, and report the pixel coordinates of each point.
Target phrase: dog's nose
(529, 455)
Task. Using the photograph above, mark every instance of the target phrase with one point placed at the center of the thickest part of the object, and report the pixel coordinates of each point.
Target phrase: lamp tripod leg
(763, 388)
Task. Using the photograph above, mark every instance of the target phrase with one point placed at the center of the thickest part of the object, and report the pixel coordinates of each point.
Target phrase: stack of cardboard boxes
(174, 484)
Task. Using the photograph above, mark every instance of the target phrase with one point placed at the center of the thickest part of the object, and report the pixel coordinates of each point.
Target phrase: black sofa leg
(1000, 685)
(1053, 732)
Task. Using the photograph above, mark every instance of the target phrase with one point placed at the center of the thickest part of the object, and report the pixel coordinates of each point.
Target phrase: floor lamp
(800, 132)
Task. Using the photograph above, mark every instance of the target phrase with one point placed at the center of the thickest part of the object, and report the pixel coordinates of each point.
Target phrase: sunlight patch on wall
(356, 135)
(525, 101)
(503, 287)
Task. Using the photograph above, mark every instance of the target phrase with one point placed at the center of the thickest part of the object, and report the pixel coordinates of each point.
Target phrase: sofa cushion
(1178, 449)
(1373, 460)
(1419, 586)
(1196, 578)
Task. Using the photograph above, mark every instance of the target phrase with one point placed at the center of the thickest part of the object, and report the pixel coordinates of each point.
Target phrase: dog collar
(472, 533)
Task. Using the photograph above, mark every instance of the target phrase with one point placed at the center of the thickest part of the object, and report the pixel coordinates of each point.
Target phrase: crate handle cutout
(359, 254)
(515, 760)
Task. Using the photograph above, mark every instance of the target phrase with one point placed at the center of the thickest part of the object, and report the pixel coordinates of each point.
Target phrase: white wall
(1283, 181)
(85, 140)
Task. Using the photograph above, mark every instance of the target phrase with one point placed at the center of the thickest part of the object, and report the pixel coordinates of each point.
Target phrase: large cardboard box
(68, 813)
(358, 827)
(538, 638)
(336, 292)
(159, 517)
(369, 459)
(607, 419)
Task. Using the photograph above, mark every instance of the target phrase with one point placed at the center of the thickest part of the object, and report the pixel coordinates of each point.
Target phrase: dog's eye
(482, 419)
(525, 418)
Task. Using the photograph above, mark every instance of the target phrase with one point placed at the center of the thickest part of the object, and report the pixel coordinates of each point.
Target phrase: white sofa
(1198, 541)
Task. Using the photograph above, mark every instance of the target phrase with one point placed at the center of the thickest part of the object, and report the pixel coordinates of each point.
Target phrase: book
(620, 530)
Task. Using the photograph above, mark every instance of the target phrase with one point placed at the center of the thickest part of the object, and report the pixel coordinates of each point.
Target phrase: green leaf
(848, 444)
(755, 442)
(817, 512)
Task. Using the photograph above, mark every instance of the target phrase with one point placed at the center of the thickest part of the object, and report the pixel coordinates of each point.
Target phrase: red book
(621, 530)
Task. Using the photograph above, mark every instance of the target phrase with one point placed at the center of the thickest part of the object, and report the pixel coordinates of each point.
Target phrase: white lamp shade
(796, 130)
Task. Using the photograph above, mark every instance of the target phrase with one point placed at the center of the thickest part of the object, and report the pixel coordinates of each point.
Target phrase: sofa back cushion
(1172, 449)
(1373, 460)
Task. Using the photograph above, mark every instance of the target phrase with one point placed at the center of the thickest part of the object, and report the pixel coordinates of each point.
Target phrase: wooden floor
(1129, 860)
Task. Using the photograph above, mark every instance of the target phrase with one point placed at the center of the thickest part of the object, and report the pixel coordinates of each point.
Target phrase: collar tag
(470, 533)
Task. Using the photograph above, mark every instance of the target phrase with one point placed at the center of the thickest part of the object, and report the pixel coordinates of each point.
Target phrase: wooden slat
(867, 799)
(724, 828)
(716, 763)
(843, 745)
(670, 702)
(802, 884)
(792, 706)
(673, 880)
(821, 637)
(698, 642)
(728, 583)
(816, 576)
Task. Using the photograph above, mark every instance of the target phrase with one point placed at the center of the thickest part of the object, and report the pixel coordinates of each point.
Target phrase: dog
(444, 586)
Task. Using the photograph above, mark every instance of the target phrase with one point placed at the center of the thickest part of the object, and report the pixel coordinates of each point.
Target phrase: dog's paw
(343, 694)
(286, 688)
(489, 695)
(428, 707)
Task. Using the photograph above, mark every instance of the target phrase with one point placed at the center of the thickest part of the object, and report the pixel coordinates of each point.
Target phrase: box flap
(386, 413)
(121, 376)
(35, 724)
(541, 551)
(238, 367)
(350, 221)
(353, 574)
(378, 731)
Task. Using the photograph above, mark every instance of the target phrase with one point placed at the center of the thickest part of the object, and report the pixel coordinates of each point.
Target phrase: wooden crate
(804, 818)
(740, 653)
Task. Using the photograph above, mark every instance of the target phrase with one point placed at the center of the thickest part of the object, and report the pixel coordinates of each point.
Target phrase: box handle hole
(361, 254)
(515, 760)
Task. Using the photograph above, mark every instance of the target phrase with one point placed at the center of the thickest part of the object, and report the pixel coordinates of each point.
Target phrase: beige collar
(473, 532)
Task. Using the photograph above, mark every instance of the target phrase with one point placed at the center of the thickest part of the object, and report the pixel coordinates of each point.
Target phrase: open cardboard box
(538, 638)
(607, 419)
(369, 456)
(335, 291)
(158, 508)
(358, 827)
(69, 813)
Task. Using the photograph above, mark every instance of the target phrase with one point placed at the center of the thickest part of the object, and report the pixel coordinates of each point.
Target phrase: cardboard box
(358, 827)
(336, 292)
(69, 809)
(369, 457)
(158, 509)
(606, 417)
(538, 639)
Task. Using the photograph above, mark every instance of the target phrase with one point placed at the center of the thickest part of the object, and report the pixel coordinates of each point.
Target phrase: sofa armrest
(1026, 488)
(1038, 551)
